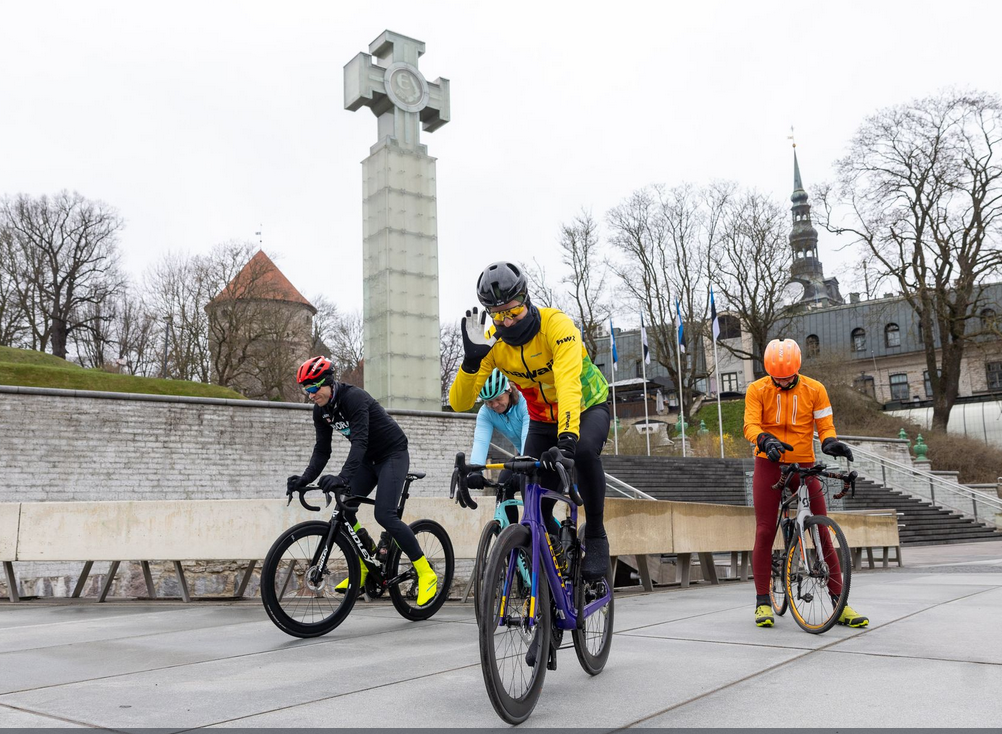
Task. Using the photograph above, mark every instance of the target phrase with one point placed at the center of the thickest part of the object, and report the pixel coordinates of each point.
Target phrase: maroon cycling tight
(766, 501)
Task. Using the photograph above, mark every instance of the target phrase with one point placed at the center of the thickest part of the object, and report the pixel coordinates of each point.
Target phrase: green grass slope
(25, 368)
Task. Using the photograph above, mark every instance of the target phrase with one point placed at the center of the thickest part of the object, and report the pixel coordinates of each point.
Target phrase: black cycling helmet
(500, 283)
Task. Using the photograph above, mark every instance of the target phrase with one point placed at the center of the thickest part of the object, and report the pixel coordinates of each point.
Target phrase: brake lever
(572, 489)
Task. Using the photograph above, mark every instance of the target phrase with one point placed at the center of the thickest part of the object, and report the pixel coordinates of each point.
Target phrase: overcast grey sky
(201, 121)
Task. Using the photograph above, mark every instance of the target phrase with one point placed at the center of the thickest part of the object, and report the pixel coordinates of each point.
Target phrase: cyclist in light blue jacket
(505, 410)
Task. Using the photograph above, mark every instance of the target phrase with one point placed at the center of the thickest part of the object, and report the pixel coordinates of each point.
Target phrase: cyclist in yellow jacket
(782, 411)
(540, 350)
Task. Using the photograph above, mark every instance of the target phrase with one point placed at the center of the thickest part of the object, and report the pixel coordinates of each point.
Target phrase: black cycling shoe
(596, 559)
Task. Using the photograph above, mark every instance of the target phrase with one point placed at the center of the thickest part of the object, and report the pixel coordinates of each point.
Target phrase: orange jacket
(789, 415)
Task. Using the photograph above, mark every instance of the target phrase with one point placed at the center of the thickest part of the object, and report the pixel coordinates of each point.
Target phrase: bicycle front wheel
(437, 547)
(514, 632)
(298, 591)
(777, 584)
(593, 642)
(817, 574)
(490, 533)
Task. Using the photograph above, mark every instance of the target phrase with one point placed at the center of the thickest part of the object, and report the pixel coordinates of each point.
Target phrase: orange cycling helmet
(782, 358)
(314, 369)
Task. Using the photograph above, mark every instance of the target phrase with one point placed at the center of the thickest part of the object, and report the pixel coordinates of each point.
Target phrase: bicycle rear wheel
(817, 574)
(513, 654)
(437, 547)
(484, 547)
(592, 644)
(297, 593)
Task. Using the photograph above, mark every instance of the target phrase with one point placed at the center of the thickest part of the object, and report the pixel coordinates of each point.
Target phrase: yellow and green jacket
(552, 371)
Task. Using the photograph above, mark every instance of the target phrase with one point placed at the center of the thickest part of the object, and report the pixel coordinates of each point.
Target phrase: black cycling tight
(594, 431)
(388, 475)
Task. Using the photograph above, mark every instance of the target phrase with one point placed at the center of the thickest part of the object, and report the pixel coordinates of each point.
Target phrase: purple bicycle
(533, 592)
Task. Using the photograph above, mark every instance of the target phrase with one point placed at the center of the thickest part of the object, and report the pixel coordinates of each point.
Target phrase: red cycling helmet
(314, 369)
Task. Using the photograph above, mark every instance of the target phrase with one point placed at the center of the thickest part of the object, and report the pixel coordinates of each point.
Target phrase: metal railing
(616, 485)
(893, 474)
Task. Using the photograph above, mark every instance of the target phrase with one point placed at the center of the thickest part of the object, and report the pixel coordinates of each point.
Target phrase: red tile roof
(260, 274)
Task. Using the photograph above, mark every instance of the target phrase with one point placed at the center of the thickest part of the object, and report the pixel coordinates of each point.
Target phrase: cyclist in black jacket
(377, 458)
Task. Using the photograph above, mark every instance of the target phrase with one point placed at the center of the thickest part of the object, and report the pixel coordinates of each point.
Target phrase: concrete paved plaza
(931, 657)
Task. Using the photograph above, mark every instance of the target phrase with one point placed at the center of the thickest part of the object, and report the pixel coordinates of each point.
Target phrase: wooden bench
(221, 530)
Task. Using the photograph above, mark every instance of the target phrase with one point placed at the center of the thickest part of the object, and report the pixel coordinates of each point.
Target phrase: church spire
(798, 187)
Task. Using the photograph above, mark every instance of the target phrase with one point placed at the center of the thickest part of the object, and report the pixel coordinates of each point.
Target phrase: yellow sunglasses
(508, 313)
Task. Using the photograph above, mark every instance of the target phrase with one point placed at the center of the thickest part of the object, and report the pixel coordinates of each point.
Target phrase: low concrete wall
(212, 532)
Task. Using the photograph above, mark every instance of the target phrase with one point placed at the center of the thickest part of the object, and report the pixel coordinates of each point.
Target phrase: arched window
(892, 335)
(859, 340)
(813, 345)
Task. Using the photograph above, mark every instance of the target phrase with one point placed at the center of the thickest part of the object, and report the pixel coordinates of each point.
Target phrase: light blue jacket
(514, 425)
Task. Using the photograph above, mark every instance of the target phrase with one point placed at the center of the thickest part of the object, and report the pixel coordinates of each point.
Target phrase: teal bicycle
(504, 511)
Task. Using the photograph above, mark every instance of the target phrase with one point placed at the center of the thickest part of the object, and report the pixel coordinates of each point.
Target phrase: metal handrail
(617, 485)
(965, 494)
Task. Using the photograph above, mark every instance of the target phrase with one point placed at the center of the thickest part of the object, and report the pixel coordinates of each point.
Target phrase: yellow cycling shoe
(427, 581)
(851, 618)
(343, 586)
(763, 616)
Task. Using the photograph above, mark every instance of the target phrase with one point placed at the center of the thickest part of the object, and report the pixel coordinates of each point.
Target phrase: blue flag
(681, 331)
(713, 317)
(612, 336)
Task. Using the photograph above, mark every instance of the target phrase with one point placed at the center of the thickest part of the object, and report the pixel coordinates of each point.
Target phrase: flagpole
(643, 370)
(720, 415)
(612, 352)
(681, 402)
(714, 333)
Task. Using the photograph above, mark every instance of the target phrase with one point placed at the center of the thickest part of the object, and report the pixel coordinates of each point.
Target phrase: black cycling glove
(833, 447)
(568, 445)
(772, 447)
(330, 482)
(293, 483)
(475, 480)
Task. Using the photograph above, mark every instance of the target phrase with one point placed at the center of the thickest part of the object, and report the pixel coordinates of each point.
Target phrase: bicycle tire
(777, 581)
(823, 616)
(487, 537)
(593, 659)
(280, 571)
(437, 547)
(514, 706)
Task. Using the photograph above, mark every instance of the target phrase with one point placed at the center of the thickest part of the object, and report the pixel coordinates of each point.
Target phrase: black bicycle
(307, 563)
(811, 575)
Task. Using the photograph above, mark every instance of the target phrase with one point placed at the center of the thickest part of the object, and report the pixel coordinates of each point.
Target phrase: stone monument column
(400, 228)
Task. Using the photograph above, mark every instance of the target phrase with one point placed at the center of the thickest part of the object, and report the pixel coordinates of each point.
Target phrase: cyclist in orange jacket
(782, 411)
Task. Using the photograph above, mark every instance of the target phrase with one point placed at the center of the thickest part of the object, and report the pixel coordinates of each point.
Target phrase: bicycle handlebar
(848, 479)
(519, 465)
(302, 498)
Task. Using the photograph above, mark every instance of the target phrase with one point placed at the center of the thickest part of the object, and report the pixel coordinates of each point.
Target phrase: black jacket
(351, 411)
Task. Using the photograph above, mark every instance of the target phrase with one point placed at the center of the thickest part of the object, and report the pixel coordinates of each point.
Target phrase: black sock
(761, 599)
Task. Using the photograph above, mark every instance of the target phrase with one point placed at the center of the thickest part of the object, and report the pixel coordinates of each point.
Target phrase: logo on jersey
(533, 374)
(566, 339)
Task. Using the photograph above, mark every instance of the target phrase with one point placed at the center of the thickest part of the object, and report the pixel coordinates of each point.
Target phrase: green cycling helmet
(496, 384)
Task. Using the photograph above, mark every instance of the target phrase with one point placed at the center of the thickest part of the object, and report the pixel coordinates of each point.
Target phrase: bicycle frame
(337, 521)
(563, 589)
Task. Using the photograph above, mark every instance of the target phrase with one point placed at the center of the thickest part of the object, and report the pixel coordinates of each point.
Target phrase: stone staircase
(722, 481)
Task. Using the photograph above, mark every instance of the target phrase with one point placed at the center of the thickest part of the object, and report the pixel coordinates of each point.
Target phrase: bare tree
(750, 267)
(342, 336)
(13, 319)
(135, 328)
(176, 290)
(581, 254)
(64, 261)
(451, 356)
(920, 191)
(664, 236)
(542, 294)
